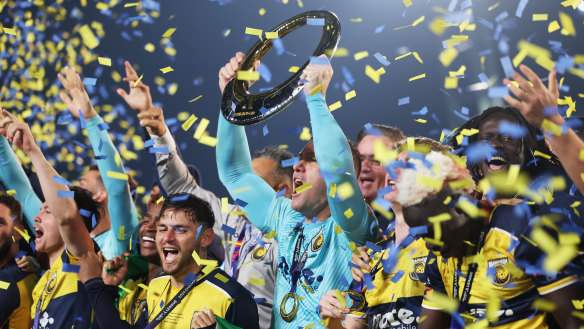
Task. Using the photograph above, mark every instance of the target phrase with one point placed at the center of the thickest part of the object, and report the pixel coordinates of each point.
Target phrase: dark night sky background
(201, 49)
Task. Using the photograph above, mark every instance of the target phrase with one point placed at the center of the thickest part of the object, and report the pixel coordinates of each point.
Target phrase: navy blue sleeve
(243, 312)
(9, 301)
(102, 298)
(434, 282)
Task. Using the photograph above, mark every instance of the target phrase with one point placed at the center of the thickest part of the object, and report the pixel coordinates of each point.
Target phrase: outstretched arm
(63, 208)
(533, 100)
(13, 176)
(121, 205)
(334, 157)
(234, 162)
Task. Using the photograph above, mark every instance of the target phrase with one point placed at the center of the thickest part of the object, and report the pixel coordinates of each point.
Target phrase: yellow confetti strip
(345, 190)
(271, 235)
(407, 3)
(125, 289)
(149, 47)
(169, 32)
(512, 174)
(121, 232)
(356, 20)
(11, 192)
(450, 83)
(305, 135)
(417, 56)
(238, 213)
(567, 25)
(247, 75)
(307, 288)
(189, 122)
(385, 213)
(402, 56)
(257, 282)
(340, 298)
(272, 35)
(418, 21)
(543, 305)
(143, 286)
(104, 61)
(133, 4)
(251, 31)
(88, 37)
(303, 188)
(242, 189)
(446, 303)
(117, 175)
(447, 56)
(24, 233)
(470, 209)
(350, 95)
(9, 31)
(335, 105)
(551, 127)
(203, 262)
(423, 75)
(316, 89)
(553, 27)
(167, 69)
(543, 155)
(338, 229)
(494, 6)
(221, 277)
(224, 204)
(196, 98)
(431, 182)
(262, 11)
(293, 69)
(540, 17)
(226, 32)
(360, 55)
(201, 128)
(462, 184)
(333, 190)
(373, 74)
(348, 213)
(160, 200)
(139, 79)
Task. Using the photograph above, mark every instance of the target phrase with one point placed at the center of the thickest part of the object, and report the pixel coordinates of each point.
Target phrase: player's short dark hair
(14, 206)
(196, 209)
(277, 155)
(393, 133)
(88, 208)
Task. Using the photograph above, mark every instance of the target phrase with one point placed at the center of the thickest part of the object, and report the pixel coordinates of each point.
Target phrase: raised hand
(534, 98)
(115, 270)
(77, 98)
(229, 71)
(90, 265)
(153, 120)
(317, 74)
(361, 261)
(18, 133)
(139, 97)
(330, 306)
(202, 319)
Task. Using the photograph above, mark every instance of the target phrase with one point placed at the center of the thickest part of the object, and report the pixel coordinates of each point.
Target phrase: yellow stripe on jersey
(557, 285)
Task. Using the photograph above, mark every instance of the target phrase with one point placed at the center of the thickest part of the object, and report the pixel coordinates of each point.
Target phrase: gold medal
(289, 316)
(356, 296)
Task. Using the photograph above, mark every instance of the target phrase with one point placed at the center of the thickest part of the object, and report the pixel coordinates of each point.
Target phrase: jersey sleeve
(243, 312)
(14, 178)
(9, 301)
(434, 282)
(335, 161)
(102, 298)
(235, 172)
(121, 205)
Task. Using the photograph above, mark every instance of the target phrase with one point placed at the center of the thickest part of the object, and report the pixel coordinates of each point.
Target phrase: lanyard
(236, 260)
(469, 276)
(174, 302)
(37, 311)
(298, 261)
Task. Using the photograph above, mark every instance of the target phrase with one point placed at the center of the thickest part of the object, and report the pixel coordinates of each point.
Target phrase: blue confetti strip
(64, 118)
(344, 281)
(265, 130)
(498, 92)
(507, 66)
(379, 29)
(281, 193)
(100, 146)
(260, 300)
(79, 144)
(135, 18)
(198, 231)
(419, 230)
(397, 276)
(82, 119)
(228, 229)
(66, 194)
(315, 21)
(240, 202)
(149, 142)
(511, 129)
(422, 111)
(368, 281)
(13, 218)
(354, 265)
(177, 228)
(21, 254)
(163, 149)
(290, 162)
(403, 101)
(93, 221)
(381, 59)
(520, 8)
(85, 213)
(48, 118)
(70, 268)
(319, 60)
(61, 180)
(179, 198)
(89, 81)
(103, 126)
(100, 157)
(373, 246)
(384, 191)
(187, 280)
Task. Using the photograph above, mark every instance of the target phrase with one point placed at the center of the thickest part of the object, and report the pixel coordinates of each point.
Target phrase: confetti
(272, 35)
(167, 69)
(104, 61)
(189, 122)
(257, 282)
(423, 75)
(65, 194)
(88, 37)
(248, 75)
(70, 268)
(360, 55)
(303, 187)
(251, 31)
(350, 95)
(169, 32)
(336, 105)
(540, 17)
(4, 285)
(201, 128)
(315, 21)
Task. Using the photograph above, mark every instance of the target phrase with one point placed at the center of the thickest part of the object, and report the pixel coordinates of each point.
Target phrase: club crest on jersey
(318, 241)
(259, 253)
(502, 276)
(419, 265)
(51, 284)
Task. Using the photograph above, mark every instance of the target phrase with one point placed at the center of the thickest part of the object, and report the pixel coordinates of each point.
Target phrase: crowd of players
(482, 230)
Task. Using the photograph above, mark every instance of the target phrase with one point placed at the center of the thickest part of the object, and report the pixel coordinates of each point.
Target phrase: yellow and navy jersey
(498, 275)
(133, 301)
(15, 296)
(216, 291)
(396, 298)
(59, 298)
